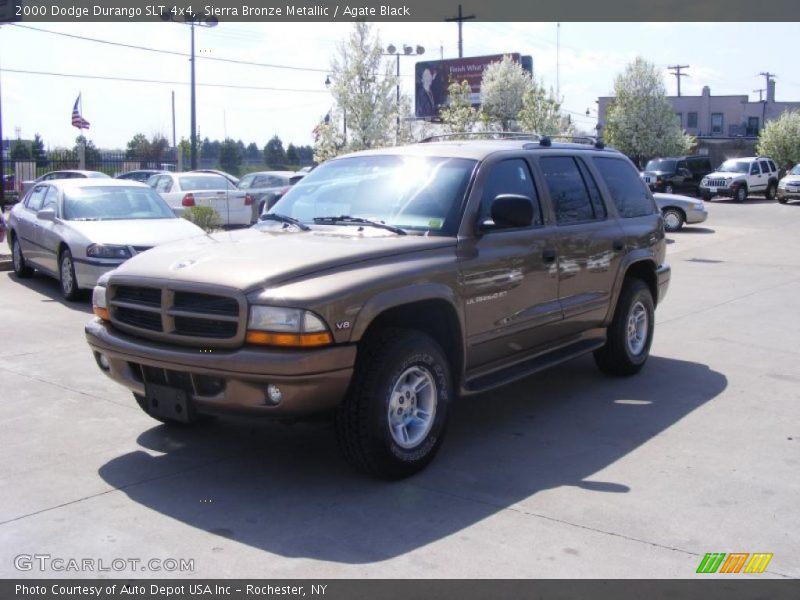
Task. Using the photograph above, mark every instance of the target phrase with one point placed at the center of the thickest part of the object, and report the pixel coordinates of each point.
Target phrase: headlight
(99, 303)
(699, 206)
(291, 327)
(107, 251)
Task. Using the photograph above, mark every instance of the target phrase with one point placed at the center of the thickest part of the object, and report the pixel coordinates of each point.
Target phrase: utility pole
(558, 60)
(768, 78)
(174, 145)
(460, 19)
(676, 70)
(760, 94)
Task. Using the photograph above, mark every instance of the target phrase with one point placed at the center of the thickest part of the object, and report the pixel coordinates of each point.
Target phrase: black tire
(783, 200)
(706, 196)
(673, 219)
(616, 356)
(772, 191)
(142, 402)
(21, 268)
(66, 276)
(740, 195)
(668, 189)
(362, 420)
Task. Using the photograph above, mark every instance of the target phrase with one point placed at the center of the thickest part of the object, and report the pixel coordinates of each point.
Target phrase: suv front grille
(717, 183)
(177, 316)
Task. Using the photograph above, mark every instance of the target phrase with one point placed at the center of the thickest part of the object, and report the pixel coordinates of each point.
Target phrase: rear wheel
(673, 219)
(21, 268)
(783, 200)
(772, 190)
(67, 279)
(631, 331)
(392, 422)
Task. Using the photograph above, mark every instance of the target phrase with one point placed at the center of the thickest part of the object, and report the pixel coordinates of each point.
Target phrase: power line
(162, 81)
(676, 71)
(172, 52)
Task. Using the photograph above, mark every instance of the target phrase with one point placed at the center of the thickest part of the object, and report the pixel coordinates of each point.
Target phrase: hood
(658, 172)
(723, 175)
(791, 179)
(135, 232)
(249, 258)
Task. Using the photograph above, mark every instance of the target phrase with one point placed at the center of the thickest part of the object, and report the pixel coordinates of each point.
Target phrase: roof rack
(581, 139)
(492, 135)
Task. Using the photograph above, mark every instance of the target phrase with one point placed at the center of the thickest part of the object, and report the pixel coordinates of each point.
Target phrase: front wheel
(772, 191)
(741, 193)
(392, 422)
(673, 219)
(631, 331)
(67, 279)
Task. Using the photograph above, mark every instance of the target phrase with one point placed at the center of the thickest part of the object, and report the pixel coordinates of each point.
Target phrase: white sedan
(678, 210)
(77, 229)
(184, 190)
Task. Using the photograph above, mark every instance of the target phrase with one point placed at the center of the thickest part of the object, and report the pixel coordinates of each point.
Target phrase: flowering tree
(503, 88)
(780, 139)
(641, 121)
(540, 112)
(459, 116)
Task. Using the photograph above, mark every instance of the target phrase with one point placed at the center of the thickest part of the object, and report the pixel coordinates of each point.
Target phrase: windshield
(205, 182)
(660, 164)
(107, 203)
(795, 170)
(422, 194)
(734, 166)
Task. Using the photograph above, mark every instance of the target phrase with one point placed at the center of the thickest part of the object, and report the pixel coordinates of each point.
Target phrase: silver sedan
(678, 210)
(77, 229)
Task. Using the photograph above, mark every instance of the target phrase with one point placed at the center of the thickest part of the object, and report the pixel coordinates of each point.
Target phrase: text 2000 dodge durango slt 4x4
(386, 284)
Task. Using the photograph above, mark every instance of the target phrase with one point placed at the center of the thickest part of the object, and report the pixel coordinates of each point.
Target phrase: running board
(530, 366)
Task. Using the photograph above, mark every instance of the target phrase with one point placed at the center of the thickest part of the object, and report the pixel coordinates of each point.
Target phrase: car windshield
(245, 182)
(734, 166)
(107, 203)
(660, 164)
(97, 175)
(421, 194)
(205, 182)
(795, 170)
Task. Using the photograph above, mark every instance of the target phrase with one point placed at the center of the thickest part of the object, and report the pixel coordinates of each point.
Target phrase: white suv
(740, 177)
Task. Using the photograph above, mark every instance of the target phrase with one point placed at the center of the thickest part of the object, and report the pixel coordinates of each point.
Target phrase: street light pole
(193, 160)
(407, 50)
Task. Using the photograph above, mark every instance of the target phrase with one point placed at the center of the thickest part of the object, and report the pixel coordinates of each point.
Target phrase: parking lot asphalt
(565, 474)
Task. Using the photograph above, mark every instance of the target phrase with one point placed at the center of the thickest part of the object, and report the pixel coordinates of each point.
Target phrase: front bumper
(663, 274)
(228, 381)
(88, 271)
(728, 192)
(696, 215)
(788, 194)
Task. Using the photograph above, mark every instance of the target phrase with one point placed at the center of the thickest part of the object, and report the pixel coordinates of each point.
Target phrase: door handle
(618, 245)
(549, 255)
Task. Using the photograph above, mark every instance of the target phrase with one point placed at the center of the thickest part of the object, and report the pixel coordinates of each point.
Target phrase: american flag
(77, 120)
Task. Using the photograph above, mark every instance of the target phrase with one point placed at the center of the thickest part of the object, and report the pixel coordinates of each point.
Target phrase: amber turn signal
(101, 312)
(289, 340)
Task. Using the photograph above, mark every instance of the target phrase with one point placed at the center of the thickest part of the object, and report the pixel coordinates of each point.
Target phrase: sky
(591, 55)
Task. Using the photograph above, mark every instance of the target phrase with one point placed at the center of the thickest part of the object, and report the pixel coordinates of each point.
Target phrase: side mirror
(46, 214)
(510, 210)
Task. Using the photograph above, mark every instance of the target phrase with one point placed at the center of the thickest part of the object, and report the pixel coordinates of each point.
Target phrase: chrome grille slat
(716, 183)
(200, 315)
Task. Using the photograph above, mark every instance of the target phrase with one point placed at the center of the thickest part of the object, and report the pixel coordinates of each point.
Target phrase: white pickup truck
(184, 190)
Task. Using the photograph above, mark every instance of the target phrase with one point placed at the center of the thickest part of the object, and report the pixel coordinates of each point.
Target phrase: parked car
(789, 186)
(65, 174)
(2, 227)
(140, 175)
(184, 190)
(389, 282)
(234, 180)
(267, 187)
(737, 178)
(678, 210)
(676, 174)
(76, 230)
(8, 182)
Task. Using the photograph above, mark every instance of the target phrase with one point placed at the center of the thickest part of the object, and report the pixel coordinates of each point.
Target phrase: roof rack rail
(581, 139)
(492, 135)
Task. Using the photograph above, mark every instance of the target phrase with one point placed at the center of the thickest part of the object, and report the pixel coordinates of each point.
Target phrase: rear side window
(764, 167)
(509, 177)
(772, 166)
(568, 190)
(630, 194)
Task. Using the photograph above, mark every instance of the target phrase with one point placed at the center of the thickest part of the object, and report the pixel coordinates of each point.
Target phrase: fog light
(274, 394)
(102, 361)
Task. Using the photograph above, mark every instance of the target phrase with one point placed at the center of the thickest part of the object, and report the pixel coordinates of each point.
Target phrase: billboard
(432, 77)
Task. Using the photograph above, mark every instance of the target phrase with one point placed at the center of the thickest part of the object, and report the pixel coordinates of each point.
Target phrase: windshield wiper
(285, 219)
(359, 220)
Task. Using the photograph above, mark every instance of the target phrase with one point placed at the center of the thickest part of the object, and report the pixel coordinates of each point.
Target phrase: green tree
(503, 88)
(459, 116)
(274, 154)
(230, 156)
(780, 139)
(138, 146)
(92, 154)
(38, 152)
(20, 151)
(640, 121)
(540, 111)
(364, 89)
(328, 141)
(252, 152)
(291, 155)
